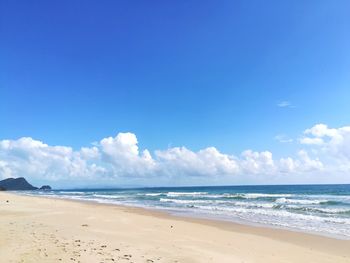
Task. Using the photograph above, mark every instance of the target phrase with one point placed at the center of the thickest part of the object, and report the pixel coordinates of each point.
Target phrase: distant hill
(16, 184)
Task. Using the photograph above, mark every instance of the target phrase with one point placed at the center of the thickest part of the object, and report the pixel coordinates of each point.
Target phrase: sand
(37, 229)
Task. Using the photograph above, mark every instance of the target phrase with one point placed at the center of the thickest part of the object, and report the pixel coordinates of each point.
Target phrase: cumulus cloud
(308, 164)
(257, 162)
(304, 163)
(35, 159)
(119, 159)
(207, 162)
(330, 141)
(122, 153)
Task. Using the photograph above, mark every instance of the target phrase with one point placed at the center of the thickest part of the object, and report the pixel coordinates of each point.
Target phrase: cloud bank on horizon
(324, 156)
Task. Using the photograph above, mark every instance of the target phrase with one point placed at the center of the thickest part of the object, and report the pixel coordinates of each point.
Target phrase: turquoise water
(323, 209)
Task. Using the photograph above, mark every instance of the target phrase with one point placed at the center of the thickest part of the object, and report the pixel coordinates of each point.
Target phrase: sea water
(323, 209)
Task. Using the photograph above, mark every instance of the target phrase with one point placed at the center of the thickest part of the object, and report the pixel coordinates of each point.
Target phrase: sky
(175, 92)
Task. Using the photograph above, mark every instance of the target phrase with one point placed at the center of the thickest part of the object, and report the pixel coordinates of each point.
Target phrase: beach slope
(37, 229)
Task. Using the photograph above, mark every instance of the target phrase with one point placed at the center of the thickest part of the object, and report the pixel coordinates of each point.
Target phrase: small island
(45, 188)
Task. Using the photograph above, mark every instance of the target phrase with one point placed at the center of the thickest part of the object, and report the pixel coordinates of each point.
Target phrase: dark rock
(45, 187)
(16, 184)
(2, 188)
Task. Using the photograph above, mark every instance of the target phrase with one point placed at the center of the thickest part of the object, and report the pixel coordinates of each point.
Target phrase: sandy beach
(37, 229)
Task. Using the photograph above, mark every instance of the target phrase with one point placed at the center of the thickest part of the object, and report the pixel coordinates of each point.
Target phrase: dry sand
(37, 229)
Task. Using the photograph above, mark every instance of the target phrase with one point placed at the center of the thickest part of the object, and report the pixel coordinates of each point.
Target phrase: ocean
(321, 209)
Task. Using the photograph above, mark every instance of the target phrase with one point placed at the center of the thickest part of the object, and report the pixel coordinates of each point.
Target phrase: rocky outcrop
(45, 187)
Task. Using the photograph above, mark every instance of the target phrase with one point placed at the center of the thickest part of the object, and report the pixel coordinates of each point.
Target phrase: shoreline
(248, 227)
(200, 218)
(291, 244)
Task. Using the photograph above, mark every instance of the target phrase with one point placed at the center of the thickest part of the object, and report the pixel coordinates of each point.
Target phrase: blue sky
(175, 73)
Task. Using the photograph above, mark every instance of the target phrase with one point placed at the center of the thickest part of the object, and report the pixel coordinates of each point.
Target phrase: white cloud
(285, 104)
(257, 162)
(283, 138)
(31, 158)
(322, 130)
(207, 162)
(118, 159)
(307, 140)
(304, 163)
(122, 153)
(333, 142)
(288, 165)
(89, 153)
(308, 164)
(5, 170)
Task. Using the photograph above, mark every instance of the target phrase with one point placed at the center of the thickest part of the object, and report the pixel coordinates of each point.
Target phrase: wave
(218, 202)
(108, 196)
(317, 209)
(225, 195)
(333, 203)
(333, 199)
(270, 214)
(175, 194)
(71, 192)
(284, 200)
(177, 201)
(258, 195)
(153, 194)
(254, 205)
(310, 202)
